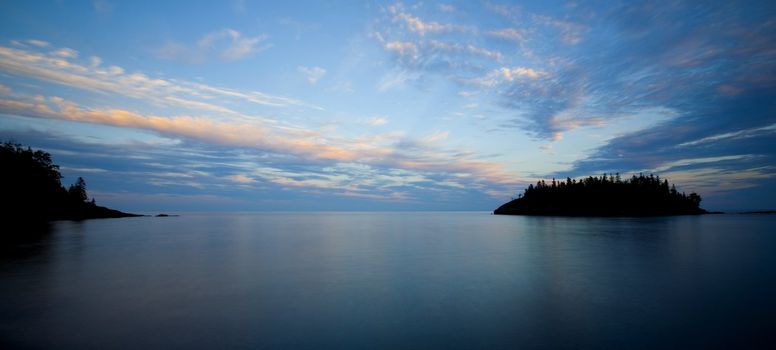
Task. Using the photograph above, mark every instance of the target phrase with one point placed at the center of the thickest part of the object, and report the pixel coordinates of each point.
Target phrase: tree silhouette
(33, 191)
(77, 191)
(607, 195)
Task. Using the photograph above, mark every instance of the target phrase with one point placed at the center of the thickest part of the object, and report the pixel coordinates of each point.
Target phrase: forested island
(33, 191)
(608, 195)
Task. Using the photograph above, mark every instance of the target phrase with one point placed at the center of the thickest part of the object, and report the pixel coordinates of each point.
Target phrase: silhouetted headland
(33, 191)
(604, 196)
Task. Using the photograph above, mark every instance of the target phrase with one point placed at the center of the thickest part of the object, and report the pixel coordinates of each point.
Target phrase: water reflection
(390, 280)
(21, 241)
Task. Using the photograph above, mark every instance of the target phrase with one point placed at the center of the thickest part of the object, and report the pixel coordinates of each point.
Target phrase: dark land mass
(33, 192)
(604, 196)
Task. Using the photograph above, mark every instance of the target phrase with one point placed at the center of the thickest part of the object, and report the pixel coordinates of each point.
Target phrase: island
(607, 195)
(33, 191)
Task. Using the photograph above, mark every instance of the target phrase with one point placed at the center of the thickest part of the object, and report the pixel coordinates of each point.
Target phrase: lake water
(392, 281)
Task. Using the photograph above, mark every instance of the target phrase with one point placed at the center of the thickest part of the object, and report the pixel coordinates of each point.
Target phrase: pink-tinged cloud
(305, 144)
(213, 121)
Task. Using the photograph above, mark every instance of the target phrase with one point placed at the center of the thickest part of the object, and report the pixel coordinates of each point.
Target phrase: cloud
(66, 53)
(95, 61)
(421, 47)
(509, 34)
(510, 12)
(446, 8)
(536, 87)
(492, 54)
(226, 44)
(421, 27)
(683, 61)
(570, 119)
(306, 145)
(570, 33)
(696, 161)
(733, 135)
(395, 79)
(343, 87)
(239, 46)
(510, 74)
(377, 121)
(114, 80)
(38, 43)
(404, 50)
(702, 134)
(252, 135)
(436, 137)
(174, 51)
(438, 46)
(641, 86)
(549, 79)
(211, 120)
(312, 74)
(211, 175)
(425, 55)
(715, 181)
(240, 178)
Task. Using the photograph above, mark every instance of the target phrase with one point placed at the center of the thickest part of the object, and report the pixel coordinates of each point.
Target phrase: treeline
(608, 195)
(33, 190)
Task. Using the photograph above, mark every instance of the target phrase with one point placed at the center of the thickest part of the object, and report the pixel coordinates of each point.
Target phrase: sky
(347, 105)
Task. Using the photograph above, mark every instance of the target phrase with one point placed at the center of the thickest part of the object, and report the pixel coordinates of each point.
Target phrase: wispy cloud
(226, 44)
(510, 74)
(440, 46)
(417, 25)
(241, 178)
(714, 180)
(312, 74)
(672, 165)
(175, 51)
(509, 34)
(256, 135)
(510, 12)
(396, 79)
(734, 135)
(307, 145)
(570, 32)
(95, 77)
(38, 43)
(406, 51)
(251, 178)
(377, 121)
(446, 8)
(237, 47)
(436, 137)
(66, 53)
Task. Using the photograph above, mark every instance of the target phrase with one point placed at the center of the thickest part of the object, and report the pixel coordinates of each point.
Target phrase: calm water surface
(392, 280)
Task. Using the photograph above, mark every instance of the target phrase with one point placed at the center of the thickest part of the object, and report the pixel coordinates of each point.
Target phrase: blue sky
(241, 105)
